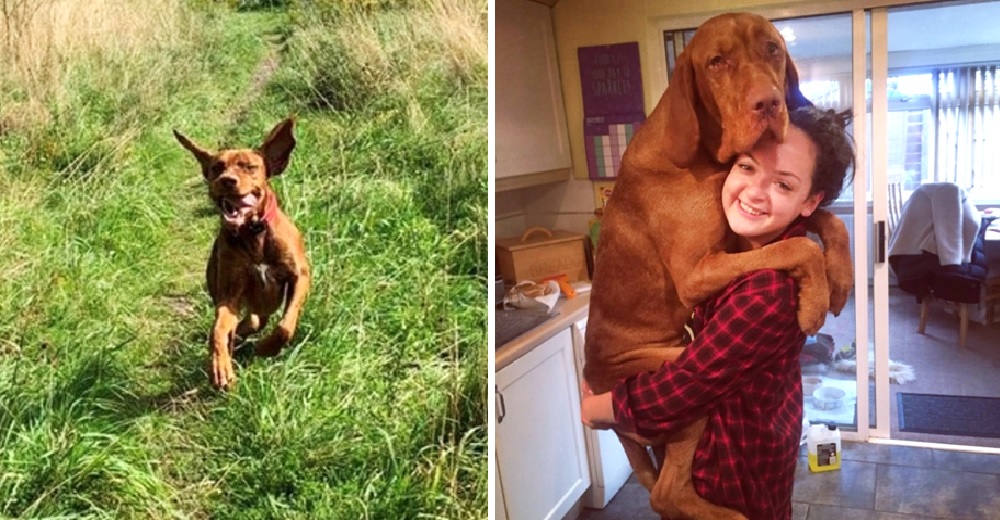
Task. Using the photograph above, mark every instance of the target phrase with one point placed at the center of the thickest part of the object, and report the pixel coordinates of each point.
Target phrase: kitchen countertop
(570, 311)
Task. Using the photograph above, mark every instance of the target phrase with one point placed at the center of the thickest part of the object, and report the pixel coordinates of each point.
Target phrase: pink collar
(270, 208)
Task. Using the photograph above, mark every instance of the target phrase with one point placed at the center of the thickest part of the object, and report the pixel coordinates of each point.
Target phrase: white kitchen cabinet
(532, 141)
(499, 507)
(541, 457)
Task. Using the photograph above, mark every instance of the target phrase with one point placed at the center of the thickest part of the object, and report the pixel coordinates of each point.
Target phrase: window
(944, 126)
(824, 93)
(910, 128)
(673, 44)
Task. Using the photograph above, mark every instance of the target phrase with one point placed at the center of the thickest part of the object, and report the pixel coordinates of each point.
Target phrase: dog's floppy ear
(204, 157)
(277, 148)
(793, 96)
(681, 97)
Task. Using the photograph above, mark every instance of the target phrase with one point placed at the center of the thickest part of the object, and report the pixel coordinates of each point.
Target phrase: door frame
(656, 28)
(861, 172)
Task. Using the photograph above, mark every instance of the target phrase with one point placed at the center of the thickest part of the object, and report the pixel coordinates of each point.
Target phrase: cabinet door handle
(503, 409)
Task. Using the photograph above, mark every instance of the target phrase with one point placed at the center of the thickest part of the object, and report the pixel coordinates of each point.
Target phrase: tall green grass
(379, 408)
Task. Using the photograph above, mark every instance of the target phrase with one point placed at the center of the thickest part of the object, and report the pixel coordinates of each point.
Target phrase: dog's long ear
(277, 148)
(204, 157)
(793, 96)
(681, 116)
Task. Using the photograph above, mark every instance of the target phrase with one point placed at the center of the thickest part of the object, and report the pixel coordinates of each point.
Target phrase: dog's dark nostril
(228, 181)
(767, 105)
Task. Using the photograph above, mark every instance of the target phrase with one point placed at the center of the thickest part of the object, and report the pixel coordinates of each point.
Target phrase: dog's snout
(228, 181)
(766, 102)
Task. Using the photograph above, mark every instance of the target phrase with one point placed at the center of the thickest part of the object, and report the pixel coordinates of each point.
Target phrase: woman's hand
(596, 411)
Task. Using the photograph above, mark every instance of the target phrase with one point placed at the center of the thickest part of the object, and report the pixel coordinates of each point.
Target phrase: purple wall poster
(612, 104)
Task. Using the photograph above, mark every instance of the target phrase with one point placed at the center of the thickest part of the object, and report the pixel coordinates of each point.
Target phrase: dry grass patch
(42, 40)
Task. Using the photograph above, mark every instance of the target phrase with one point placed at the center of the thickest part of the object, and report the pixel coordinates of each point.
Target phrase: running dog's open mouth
(236, 211)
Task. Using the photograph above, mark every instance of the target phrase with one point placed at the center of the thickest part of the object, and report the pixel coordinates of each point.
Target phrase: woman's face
(769, 187)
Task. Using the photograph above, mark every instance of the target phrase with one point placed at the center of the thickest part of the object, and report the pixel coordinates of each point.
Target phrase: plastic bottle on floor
(823, 443)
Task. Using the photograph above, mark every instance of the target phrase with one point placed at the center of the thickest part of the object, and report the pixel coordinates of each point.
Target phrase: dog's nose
(765, 102)
(228, 181)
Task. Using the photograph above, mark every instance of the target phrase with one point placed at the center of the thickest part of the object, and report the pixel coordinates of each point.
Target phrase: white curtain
(968, 128)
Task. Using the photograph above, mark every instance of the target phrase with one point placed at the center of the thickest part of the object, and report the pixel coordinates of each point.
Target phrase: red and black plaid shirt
(742, 371)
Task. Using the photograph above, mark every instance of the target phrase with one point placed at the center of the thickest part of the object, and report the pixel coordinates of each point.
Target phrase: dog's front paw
(811, 318)
(814, 303)
(223, 374)
(273, 343)
(841, 278)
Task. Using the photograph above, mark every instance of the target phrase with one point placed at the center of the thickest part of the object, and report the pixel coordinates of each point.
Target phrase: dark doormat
(949, 415)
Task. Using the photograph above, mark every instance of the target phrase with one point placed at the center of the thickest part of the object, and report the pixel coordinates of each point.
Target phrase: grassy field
(378, 410)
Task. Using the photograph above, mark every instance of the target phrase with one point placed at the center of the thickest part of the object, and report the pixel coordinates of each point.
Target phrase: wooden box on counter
(540, 253)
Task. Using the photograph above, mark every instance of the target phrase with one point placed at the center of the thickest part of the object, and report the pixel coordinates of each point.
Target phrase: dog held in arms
(258, 261)
(663, 234)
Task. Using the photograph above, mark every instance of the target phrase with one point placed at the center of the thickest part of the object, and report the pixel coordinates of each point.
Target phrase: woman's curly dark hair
(834, 149)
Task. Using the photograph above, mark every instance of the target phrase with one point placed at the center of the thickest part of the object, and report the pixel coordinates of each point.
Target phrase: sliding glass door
(942, 128)
(927, 128)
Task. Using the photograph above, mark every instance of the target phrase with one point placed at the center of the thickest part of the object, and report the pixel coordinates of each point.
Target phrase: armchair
(937, 251)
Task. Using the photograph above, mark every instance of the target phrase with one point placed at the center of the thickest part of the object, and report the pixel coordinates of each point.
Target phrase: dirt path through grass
(262, 74)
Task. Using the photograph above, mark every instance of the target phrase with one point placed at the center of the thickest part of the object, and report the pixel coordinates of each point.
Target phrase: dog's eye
(218, 168)
(716, 61)
(772, 48)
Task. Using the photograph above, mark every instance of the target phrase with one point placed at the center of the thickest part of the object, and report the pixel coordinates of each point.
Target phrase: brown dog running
(258, 260)
(663, 234)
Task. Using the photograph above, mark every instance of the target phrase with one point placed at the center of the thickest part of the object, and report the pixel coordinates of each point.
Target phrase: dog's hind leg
(673, 495)
(283, 333)
(250, 324)
(641, 462)
(660, 453)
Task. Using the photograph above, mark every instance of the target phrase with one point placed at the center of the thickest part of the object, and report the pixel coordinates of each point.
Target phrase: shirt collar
(797, 228)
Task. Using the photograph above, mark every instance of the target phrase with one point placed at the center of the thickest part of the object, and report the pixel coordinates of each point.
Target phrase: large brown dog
(663, 234)
(258, 260)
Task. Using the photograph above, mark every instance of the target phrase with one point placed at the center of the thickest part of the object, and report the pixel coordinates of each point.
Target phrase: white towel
(938, 218)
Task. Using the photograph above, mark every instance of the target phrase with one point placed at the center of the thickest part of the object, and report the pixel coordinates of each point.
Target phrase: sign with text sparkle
(612, 104)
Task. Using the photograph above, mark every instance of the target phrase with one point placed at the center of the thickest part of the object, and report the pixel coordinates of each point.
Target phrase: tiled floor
(875, 482)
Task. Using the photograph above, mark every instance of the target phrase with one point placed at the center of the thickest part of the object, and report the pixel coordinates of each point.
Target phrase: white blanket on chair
(938, 218)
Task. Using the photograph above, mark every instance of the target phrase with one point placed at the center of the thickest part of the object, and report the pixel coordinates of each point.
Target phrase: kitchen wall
(565, 205)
